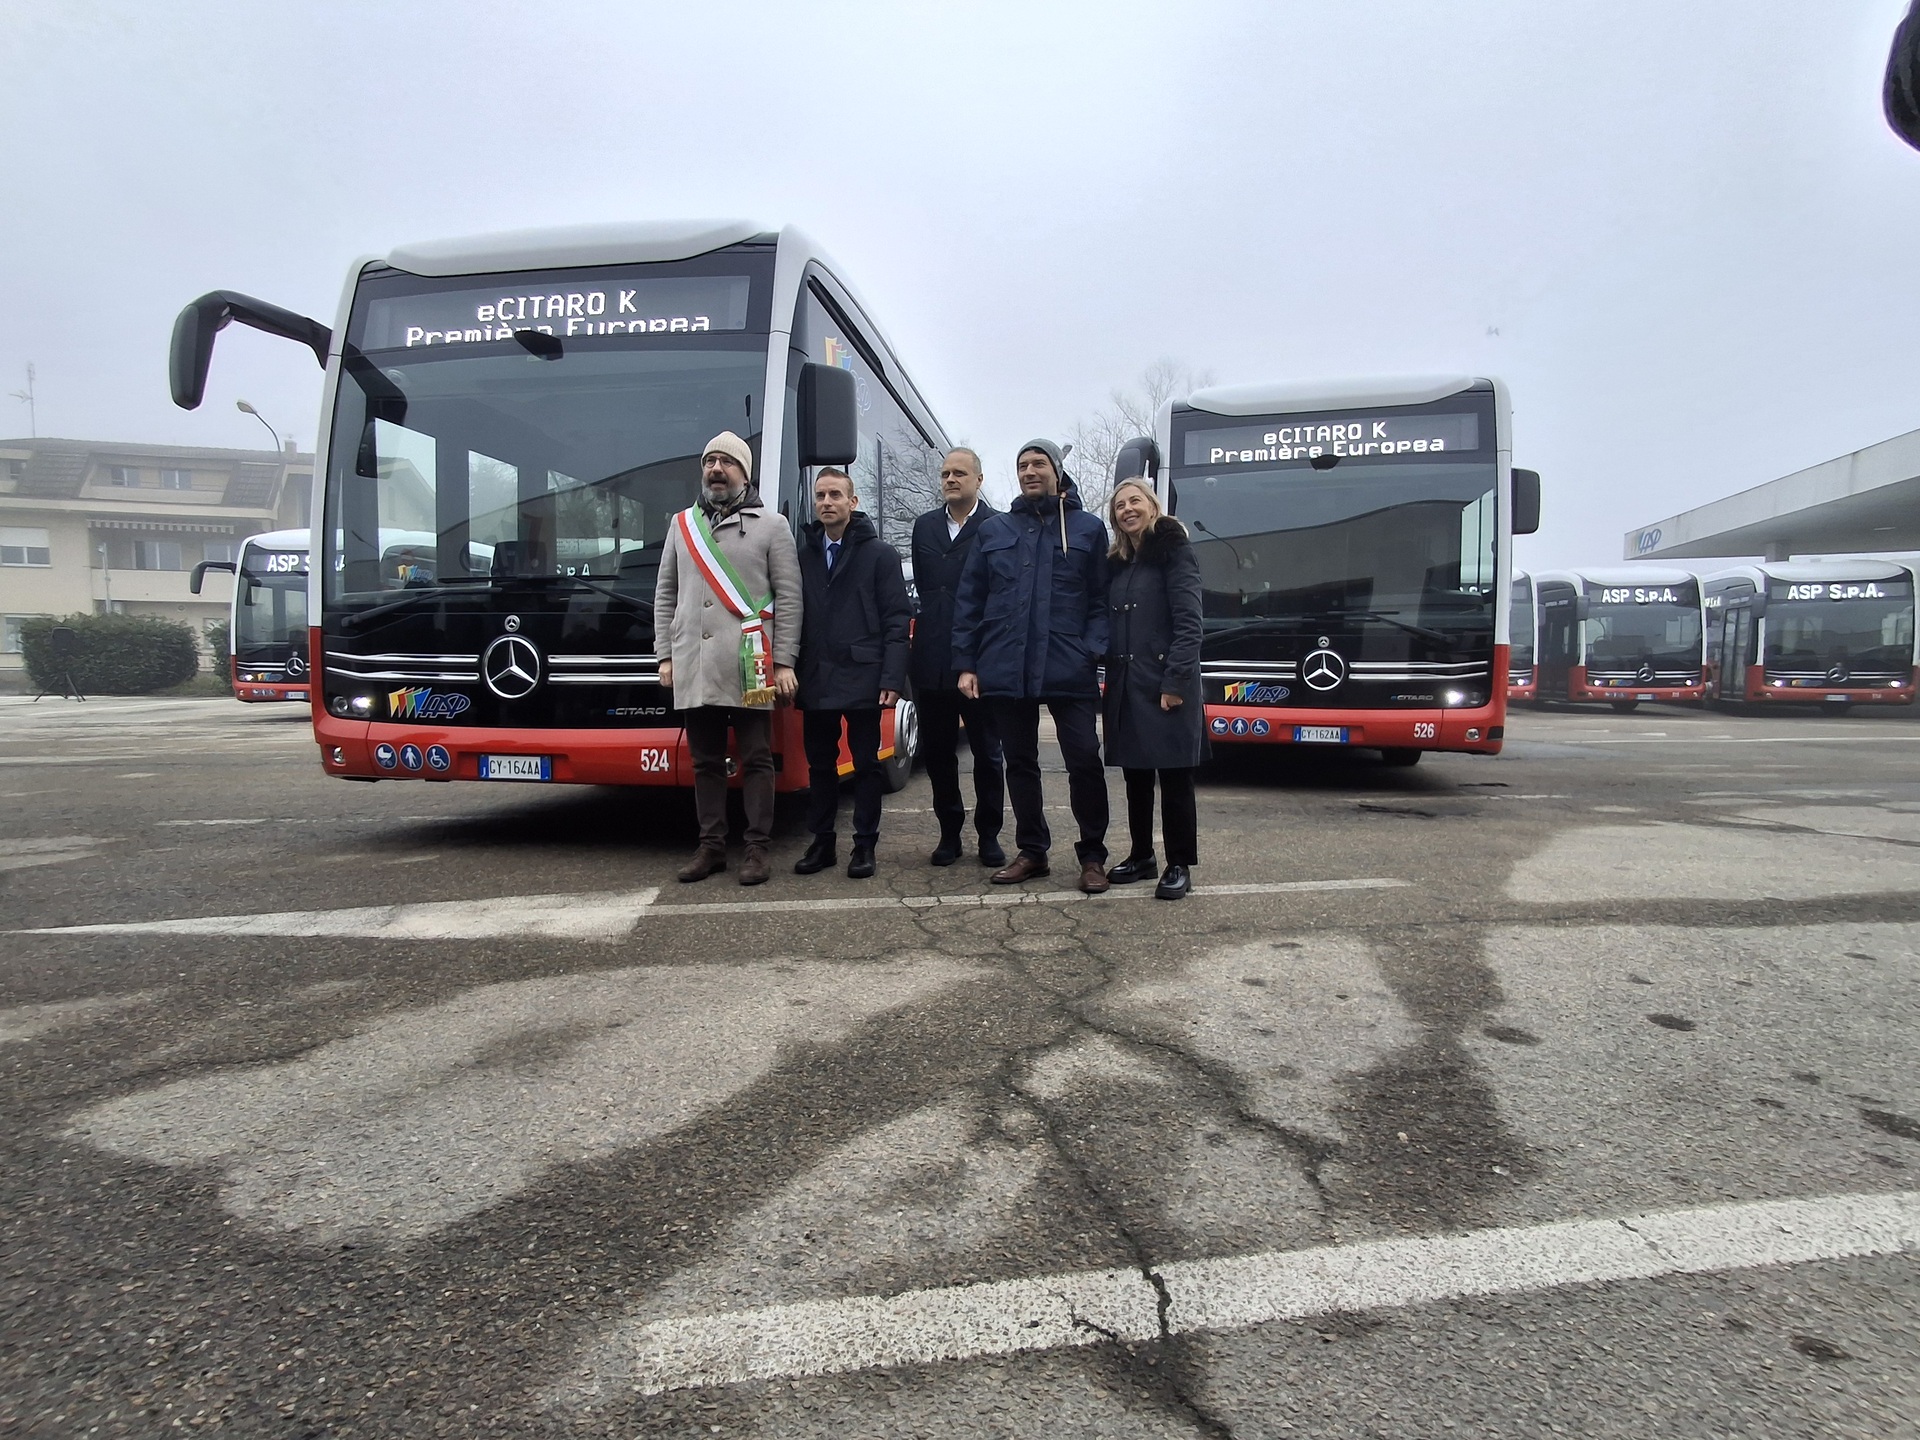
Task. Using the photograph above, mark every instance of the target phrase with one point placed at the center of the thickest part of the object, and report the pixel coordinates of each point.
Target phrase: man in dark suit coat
(853, 665)
(941, 540)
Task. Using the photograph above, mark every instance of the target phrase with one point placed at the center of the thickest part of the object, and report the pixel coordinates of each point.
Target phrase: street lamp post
(245, 409)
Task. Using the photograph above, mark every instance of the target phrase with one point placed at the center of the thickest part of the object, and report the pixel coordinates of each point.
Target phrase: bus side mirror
(1580, 608)
(829, 416)
(200, 572)
(206, 317)
(1526, 501)
(1901, 94)
(1138, 459)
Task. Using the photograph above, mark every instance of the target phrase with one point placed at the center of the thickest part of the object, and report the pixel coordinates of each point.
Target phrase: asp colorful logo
(1250, 692)
(416, 702)
(839, 353)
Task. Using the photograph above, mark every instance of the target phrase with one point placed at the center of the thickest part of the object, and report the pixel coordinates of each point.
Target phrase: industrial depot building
(87, 526)
(1868, 501)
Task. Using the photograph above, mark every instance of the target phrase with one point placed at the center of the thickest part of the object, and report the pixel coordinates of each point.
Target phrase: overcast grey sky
(1681, 232)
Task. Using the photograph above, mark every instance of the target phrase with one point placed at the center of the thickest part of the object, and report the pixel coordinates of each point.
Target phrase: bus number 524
(654, 761)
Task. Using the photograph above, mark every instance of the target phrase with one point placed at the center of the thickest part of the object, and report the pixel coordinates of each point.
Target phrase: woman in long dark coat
(1155, 715)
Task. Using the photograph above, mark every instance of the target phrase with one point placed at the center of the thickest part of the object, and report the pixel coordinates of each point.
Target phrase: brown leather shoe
(753, 868)
(1093, 878)
(1024, 867)
(705, 861)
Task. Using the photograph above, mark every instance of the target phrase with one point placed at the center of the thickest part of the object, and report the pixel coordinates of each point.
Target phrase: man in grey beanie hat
(1029, 628)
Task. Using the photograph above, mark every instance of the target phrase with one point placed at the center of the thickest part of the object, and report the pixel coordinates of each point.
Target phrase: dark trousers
(1179, 816)
(707, 727)
(941, 712)
(1017, 723)
(822, 730)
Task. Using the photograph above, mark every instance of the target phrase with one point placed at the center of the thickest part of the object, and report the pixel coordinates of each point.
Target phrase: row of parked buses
(510, 422)
(1831, 631)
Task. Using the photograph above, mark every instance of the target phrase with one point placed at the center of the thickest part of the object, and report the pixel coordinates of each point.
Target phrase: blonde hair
(1123, 547)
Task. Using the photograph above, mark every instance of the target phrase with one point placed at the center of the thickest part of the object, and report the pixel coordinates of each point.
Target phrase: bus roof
(1290, 397)
(1636, 575)
(1838, 569)
(281, 539)
(562, 247)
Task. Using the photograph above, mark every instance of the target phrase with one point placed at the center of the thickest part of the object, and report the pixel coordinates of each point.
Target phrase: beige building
(86, 526)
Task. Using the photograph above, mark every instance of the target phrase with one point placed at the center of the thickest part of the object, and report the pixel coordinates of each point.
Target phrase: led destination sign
(1644, 595)
(1305, 437)
(617, 306)
(1841, 590)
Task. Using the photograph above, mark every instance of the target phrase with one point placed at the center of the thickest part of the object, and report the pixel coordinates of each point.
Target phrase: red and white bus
(1833, 632)
(267, 622)
(1523, 678)
(1355, 545)
(509, 424)
(1620, 636)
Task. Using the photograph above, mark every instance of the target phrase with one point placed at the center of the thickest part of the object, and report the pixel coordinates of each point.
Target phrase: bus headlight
(361, 706)
(1455, 697)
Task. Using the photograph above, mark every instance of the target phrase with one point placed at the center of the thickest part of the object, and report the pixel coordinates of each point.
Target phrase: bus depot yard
(1571, 1090)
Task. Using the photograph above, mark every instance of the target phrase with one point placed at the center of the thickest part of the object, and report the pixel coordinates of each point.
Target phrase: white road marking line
(1002, 897)
(608, 916)
(1811, 737)
(1051, 1312)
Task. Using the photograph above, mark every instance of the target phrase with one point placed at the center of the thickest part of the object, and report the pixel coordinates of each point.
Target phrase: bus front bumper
(1477, 731)
(653, 755)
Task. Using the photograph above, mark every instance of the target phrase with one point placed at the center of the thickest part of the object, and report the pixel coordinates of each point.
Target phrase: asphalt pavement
(1571, 1091)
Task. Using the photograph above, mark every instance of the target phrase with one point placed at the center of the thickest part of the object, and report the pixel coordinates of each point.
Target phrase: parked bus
(267, 622)
(510, 422)
(1522, 626)
(1620, 636)
(1828, 632)
(1355, 549)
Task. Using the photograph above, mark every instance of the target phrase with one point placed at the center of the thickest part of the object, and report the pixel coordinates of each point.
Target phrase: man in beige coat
(698, 639)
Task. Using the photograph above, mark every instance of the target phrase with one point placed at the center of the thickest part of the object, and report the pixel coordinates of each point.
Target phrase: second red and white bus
(1355, 543)
(1829, 632)
(1619, 636)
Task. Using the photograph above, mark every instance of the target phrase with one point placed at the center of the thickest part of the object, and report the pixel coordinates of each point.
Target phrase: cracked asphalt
(441, 1185)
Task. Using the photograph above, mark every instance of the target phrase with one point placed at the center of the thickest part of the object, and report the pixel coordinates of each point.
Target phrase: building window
(16, 470)
(176, 480)
(24, 547)
(217, 550)
(125, 476)
(157, 555)
(11, 642)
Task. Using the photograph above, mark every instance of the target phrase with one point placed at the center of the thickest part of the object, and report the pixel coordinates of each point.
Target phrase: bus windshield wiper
(408, 600)
(645, 607)
(1434, 636)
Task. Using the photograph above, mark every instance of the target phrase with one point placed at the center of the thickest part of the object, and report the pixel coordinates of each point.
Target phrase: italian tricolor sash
(755, 616)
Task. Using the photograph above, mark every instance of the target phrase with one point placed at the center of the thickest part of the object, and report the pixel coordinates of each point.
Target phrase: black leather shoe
(1134, 867)
(991, 855)
(818, 857)
(947, 851)
(1173, 885)
(860, 863)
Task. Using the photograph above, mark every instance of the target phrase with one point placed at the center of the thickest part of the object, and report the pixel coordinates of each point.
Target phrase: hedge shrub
(113, 654)
(220, 641)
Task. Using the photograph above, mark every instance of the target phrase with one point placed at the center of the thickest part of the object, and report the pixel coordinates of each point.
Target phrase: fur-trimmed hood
(1159, 545)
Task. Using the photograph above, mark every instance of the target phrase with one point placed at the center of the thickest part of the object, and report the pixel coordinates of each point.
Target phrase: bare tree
(1097, 439)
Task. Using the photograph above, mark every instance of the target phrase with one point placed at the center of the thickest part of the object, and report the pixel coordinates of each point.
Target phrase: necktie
(833, 554)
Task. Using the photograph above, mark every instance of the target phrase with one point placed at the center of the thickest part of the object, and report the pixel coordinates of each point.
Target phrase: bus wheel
(1625, 707)
(897, 768)
(1401, 757)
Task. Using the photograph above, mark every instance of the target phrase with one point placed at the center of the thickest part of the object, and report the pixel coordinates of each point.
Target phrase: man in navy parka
(1029, 629)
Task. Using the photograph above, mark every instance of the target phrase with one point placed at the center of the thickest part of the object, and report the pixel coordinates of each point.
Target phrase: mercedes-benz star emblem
(1838, 675)
(511, 667)
(296, 665)
(1645, 674)
(1323, 670)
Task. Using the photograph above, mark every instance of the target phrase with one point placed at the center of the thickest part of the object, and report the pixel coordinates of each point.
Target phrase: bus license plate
(516, 767)
(1319, 735)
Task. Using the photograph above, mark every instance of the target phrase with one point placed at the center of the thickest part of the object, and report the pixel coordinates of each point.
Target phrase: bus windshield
(270, 600)
(1664, 635)
(1859, 634)
(1404, 552)
(522, 467)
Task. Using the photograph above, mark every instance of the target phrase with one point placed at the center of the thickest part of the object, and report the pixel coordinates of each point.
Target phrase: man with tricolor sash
(726, 625)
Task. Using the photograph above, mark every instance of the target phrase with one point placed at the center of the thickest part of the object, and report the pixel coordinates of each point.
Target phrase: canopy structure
(1866, 501)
